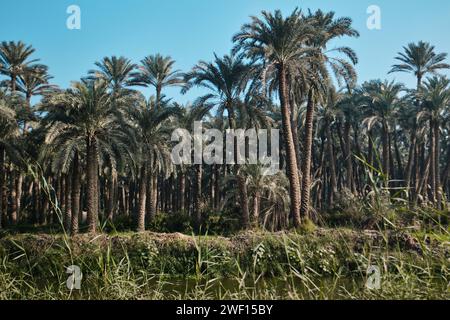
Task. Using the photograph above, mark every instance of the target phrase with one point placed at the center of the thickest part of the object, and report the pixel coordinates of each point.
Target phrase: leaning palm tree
(83, 118)
(279, 41)
(157, 71)
(420, 60)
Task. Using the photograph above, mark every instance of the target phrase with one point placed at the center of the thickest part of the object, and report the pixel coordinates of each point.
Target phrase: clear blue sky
(190, 30)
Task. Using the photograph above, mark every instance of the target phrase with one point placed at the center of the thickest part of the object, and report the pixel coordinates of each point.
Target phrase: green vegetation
(364, 176)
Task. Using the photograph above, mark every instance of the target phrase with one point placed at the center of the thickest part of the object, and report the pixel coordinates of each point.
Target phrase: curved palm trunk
(76, 192)
(291, 159)
(91, 188)
(142, 199)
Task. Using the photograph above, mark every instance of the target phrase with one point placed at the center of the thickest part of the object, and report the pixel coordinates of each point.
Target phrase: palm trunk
(432, 161)
(385, 142)
(13, 213)
(291, 159)
(142, 199)
(437, 186)
(244, 201)
(68, 200)
(182, 190)
(307, 156)
(348, 156)
(2, 183)
(92, 177)
(332, 164)
(256, 205)
(76, 191)
(197, 194)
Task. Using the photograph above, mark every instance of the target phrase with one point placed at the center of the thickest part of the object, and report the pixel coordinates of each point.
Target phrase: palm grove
(100, 151)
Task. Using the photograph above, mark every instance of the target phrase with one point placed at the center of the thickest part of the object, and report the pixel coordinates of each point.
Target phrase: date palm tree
(117, 72)
(340, 61)
(419, 59)
(157, 71)
(83, 119)
(382, 101)
(15, 60)
(279, 41)
(226, 78)
(435, 97)
(152, 129)
(9, 130)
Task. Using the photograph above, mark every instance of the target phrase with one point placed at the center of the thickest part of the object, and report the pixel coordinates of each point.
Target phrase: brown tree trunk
(76, 192)
(68, 200)
(291, 159)
(244, 201)
(332, 164)
(437, 178)
(197, 194)
(182, 190)
(13, 196)
(142, 199)
(307, 156)
(2, 183)
(92, 190)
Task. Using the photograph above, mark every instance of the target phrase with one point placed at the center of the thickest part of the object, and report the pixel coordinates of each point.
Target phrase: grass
(318, 264)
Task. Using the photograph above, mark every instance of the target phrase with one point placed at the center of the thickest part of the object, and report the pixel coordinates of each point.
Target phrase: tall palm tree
(276, 40)
(327, 28)
(83, 119)
(117, 72)
(226, 79)
(153, 129)
(157, 71)
(419, 59)
(435, 97)
(9, 130)
(382, 101)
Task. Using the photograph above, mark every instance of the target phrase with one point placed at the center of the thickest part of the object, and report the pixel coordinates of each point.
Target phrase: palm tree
(435, 97)
(9, 130)
(382, 101)
(157, 71)
(227, 79)
(152, 127)
(189, 114)
(34, 82)
(83, 119)
(117, 72)
(14, 58)
(278, 41)
(419, 59)
(327, 28)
